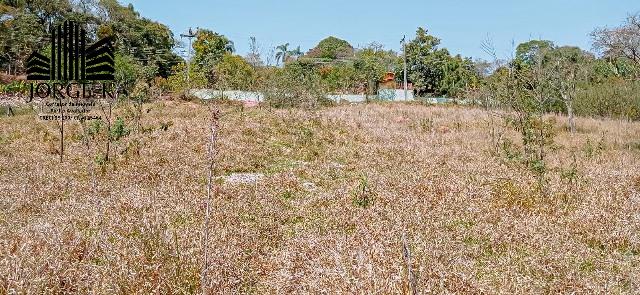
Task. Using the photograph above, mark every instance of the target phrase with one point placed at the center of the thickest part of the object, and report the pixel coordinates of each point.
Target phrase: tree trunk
(572, 123)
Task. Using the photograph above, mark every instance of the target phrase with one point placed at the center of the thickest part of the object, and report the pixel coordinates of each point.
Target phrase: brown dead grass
(473, 220)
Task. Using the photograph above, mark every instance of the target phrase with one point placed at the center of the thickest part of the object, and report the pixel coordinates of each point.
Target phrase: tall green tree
(296, 53)
(340, 78)
(569, 71)
(20, 35)
(178, 83)
(210, 47)
(459, 75)
(48, 13)
(147, 41)
(282, 52)
(371, 64)
(233, 72)
(529, 52)
(298, 83)
(332, 48)
(25, 23)
(425, 62)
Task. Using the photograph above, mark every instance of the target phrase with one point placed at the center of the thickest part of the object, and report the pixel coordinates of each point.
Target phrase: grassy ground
(341, 186)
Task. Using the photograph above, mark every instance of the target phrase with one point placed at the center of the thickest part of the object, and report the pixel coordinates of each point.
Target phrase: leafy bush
(14, 87)
(615, 98)
(234, 73)
(119, 129)
(94, 128)
(178, 81)
(298, 84)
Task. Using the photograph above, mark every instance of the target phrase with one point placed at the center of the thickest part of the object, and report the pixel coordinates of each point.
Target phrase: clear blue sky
(462, 25)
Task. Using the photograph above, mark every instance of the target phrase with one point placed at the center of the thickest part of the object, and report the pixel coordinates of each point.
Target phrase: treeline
(289, 77)
(144, 48)
(571, 80)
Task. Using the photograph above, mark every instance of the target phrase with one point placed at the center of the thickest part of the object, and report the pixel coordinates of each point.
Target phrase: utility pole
(190, 35)
(404, 48)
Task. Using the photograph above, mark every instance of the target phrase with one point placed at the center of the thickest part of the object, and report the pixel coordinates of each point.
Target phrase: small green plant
(457, 125)
(363, 196)
(592, 149)
(510, 151)
(537, 138)
(287, 195)
(94, 128)
(119, 130)
(587, 266)
(588, 149)
(538, 167)
(101, 161)
(602, 144)
(305, 134)
(570, 174)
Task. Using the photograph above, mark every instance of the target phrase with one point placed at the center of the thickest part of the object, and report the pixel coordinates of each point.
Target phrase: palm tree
(282, 53)
(296, 52)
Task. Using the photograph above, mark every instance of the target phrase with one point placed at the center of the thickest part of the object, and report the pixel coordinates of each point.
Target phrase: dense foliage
(565, 79)
(25, 25)
(332, 48)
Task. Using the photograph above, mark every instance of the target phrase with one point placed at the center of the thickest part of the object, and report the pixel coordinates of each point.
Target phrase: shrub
(119, 130)
(298, 84)
(14, 87)
(615, 98)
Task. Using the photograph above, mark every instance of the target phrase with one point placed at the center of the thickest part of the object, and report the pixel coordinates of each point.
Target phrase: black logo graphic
(71, 59)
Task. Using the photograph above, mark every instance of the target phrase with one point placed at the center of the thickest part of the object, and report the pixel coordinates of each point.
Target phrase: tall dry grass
(341, 187)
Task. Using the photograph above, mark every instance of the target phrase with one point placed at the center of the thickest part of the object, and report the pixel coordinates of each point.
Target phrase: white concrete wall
(383, 94)
(230, 94)
(248, 96)
(395, 94)
(437, 100)
(347, 97)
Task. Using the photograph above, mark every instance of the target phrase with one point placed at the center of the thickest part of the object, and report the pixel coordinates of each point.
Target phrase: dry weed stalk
(108, 114)
(406, 254)
(211, 153)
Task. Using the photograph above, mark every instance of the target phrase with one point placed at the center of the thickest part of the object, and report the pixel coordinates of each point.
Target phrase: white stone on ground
(309, 186)
(244, 178)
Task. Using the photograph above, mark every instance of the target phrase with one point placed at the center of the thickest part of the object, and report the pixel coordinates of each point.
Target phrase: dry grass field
(340, 188)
